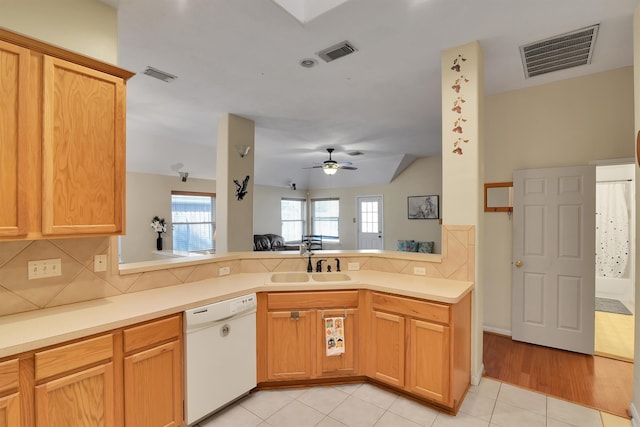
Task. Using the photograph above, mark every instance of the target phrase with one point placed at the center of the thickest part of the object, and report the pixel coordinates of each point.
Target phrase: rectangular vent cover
(560, 52)
(160, 75)
(337, 51)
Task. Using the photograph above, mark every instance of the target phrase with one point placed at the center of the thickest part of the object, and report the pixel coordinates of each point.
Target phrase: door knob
(518, 263)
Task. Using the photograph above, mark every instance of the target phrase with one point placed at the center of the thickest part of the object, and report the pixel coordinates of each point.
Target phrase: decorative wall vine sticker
(457, 85)
(456, 63)
(457, 104)
(457, 128)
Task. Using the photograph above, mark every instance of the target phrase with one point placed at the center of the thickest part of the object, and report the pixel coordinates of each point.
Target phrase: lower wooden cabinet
(10, 410)
(347, 363)
(126, 377)
(82, 399)
(413, 347)
(292, 340)
(153, 374)
(75, 384)
(386, 348)
(9, 394)
(289, 351)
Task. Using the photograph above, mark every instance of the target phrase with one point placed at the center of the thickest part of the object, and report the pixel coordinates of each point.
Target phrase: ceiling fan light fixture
(330, 169)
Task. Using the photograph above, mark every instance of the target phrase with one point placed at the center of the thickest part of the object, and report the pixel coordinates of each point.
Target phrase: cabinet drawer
(8, 376)
(313, 300)
(152, 333)
(73, 356)
(425, 310)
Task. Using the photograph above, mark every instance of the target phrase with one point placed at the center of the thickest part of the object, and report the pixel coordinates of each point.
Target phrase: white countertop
(35, 329)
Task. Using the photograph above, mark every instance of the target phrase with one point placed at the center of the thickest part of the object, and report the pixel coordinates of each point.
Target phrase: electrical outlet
(353, 266)
(44, 268)
(100, 263)
(419, 271)
(224, 271)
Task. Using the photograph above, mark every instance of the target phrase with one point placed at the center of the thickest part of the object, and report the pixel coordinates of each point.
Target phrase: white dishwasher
(220, 355)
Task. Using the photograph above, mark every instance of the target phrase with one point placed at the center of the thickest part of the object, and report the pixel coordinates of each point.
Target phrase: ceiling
(242, 57)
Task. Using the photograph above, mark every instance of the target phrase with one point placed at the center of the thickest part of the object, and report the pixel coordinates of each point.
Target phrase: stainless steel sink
(330, 277)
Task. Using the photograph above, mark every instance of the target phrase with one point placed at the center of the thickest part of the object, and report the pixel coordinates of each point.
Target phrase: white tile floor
(361, 405)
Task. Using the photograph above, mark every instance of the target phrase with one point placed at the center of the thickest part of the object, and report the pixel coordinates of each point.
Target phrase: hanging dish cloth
(334, 335)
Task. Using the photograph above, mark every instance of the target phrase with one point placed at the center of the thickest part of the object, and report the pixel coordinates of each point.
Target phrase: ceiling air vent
(337, 51)
(160, 75)
(560, 52)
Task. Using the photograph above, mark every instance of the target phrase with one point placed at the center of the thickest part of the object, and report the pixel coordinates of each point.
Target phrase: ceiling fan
(330, 167)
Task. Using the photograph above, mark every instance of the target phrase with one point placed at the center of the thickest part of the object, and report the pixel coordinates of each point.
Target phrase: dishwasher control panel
(245, 303)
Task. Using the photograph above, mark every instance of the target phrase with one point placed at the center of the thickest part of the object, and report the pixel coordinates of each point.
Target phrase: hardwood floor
(593, 381)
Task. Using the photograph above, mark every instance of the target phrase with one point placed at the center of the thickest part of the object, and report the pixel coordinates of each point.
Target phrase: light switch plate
(353, 266)
(224, 271)
(100, 263)
(419, 271)
(43, 268)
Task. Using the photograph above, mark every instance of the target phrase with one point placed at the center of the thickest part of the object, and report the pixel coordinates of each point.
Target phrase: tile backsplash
(79, 282)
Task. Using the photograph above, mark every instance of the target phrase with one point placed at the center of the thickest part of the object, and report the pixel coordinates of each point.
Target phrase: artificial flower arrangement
(159, 225)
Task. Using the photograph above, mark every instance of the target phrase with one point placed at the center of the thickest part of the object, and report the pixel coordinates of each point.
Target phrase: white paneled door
(370, 222)
(554, 257)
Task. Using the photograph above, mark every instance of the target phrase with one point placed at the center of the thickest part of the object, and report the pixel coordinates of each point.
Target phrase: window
(292, 214)
(325, 215)
(193, 220)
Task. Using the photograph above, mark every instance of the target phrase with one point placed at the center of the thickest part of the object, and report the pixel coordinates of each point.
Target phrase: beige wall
(567, 123)
(88, 27)
(149, 195)
(423, 177)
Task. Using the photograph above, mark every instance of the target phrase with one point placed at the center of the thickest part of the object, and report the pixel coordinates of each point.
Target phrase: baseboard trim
(475, 379)
(505, 332)
(635, 419)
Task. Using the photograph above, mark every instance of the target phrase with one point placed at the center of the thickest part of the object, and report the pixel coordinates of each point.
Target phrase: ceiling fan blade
(344, 163)
(351, 168)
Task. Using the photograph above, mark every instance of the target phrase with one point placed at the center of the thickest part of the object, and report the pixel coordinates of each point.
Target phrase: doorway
(370, 222)
(615, 261)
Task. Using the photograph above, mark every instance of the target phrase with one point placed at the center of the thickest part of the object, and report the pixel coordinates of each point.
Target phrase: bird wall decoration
(241, 189)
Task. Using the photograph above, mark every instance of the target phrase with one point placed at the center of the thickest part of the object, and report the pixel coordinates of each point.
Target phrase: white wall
(567, 123)
(147, 196)
(423, 177)
(88, 27)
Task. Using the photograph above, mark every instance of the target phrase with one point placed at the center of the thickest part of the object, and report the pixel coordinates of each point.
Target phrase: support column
(462, 168)
(234, 184)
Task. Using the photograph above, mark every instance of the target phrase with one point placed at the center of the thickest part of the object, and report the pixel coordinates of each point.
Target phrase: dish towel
(334, 330)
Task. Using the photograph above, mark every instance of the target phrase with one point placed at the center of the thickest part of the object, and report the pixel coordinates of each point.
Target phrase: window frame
(302, 220)
(212, 196)
(313, 230)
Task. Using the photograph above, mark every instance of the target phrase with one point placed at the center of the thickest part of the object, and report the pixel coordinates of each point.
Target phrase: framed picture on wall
(423, 207)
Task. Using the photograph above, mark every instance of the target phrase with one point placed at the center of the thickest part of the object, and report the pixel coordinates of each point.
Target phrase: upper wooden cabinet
(83, 150)
(62, 142)
(14, 75)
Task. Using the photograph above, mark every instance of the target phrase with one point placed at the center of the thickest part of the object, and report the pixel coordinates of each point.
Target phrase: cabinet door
(83, 150)
(387, 348)
(290, 336)
(10, 411)
(428, 369)
(83, 399)
(14, 72)
(153, 387)
(347, 362)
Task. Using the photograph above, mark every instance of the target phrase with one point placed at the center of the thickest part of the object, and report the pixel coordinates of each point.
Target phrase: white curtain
(612, 229)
